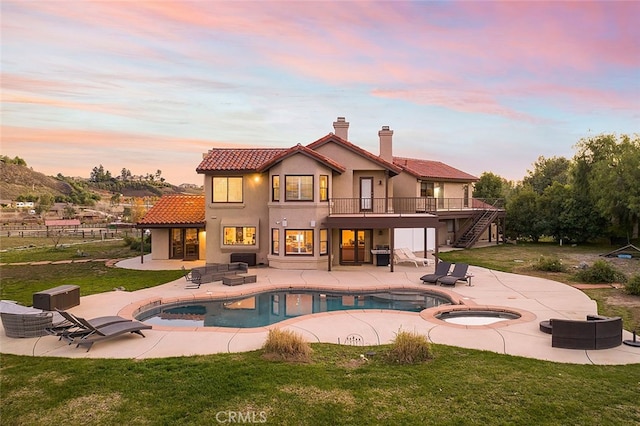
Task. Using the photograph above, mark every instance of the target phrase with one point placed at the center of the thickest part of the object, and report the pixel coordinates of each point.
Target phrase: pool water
(477, 317)
(267, 308)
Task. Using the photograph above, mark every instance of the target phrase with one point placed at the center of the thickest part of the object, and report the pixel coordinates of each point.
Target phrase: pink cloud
(73, 152)
(474, 101)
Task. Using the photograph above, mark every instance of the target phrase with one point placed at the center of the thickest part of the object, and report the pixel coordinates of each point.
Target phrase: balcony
(399, 206)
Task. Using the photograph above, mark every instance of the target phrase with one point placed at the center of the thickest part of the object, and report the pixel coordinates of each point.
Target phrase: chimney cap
(341, 119)
(385, 127)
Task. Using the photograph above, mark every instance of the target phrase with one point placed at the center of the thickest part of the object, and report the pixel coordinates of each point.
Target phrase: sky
(152, 85)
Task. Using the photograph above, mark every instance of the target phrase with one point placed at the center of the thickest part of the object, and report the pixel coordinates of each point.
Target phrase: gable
(335, 147)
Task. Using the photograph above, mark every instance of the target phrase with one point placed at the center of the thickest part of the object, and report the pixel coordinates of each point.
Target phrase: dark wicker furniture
(597, 332)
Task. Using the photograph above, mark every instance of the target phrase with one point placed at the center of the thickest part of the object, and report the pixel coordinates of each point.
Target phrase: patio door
(366, 194)
(177, 244)
(184, 244)
(355, 246)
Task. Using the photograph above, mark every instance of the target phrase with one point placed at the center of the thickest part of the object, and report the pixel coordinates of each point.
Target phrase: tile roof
(299, 149)
(432, 169)
(348, 145)
(237, 159)
(176, 210)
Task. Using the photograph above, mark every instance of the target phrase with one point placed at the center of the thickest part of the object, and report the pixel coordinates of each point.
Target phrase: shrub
(600, 272)
(286, 345)
(410, 348)
(550, 264)
(633, 285)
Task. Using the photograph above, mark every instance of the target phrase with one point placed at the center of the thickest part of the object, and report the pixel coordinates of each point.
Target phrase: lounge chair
(459, 273)
(74, 326)
(109, 331)
(411, 255)
(442, 269)
(404, 255)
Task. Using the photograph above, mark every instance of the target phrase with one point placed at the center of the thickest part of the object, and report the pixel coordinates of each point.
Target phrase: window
(324, 239)
(275, 188)
(299, 242)
(465, 200)
(275, 241)
(324, 187)
(239, 235)
(426, 189)
(299, 188)
(227, 189)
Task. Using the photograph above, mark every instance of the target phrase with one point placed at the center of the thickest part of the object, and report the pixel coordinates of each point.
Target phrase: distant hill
(16, 180)
(19, 180)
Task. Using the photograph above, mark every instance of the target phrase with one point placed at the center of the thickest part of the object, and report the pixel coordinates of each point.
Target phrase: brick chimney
(386, 144)
(341, 128)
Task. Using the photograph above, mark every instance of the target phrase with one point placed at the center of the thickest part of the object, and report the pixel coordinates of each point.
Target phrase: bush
(633, 285)
(286, 345)
(550, 264)
(410, 348)
(600, 272)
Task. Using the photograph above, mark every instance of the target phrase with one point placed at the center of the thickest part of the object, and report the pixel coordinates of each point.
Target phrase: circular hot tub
(477, 317)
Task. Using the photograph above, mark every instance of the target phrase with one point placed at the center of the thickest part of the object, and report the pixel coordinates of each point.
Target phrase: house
(323, 204)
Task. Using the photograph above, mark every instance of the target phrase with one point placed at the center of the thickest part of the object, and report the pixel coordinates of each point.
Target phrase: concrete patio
(536, 299)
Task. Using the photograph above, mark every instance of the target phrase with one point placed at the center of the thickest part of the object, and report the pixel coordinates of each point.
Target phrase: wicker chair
(26, 325)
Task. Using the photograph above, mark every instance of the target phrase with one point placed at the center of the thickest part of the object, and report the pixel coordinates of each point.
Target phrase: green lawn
(21, 281)
(458, 387)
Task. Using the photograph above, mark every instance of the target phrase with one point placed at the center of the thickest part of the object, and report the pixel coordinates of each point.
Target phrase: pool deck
(535, 298)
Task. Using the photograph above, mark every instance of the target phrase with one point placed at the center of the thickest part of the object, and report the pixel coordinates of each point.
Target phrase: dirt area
(626, 266)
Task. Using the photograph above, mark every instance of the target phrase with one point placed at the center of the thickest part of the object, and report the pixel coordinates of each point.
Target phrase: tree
(546, 171)
(138, 210)
(45, 203)
(115, 199)
(69, 212)
(608, 169)
(488, 186)
(98, 174)
(125, 174)
(522, 218)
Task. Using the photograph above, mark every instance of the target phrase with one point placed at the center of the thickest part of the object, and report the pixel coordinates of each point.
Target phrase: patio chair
(401, 256)
(108, 332)
(73, 326)
(411, 256)
(459, 273)
(195, 278)
(442, 269)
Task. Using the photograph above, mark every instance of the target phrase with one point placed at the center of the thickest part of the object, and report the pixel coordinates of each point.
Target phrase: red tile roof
(348, 145)
(62, 222)
(432, 169)
(237, 159)
(176, 210)
(299, 149)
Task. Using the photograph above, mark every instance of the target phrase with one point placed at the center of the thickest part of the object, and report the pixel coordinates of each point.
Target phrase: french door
(355, 246)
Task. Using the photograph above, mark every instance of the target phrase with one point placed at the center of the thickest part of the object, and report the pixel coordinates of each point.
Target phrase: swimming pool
(262, 309)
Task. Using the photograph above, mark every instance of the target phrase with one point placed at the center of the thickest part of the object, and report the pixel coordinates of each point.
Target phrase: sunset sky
(481, 86)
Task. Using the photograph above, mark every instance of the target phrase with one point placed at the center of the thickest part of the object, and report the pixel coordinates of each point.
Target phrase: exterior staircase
(476, 225)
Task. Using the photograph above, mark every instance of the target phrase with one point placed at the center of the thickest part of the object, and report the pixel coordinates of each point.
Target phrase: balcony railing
(408, 205)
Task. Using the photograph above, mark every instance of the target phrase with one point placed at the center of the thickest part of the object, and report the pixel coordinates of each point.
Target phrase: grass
(523, 259)
(336, 385)
(21, 281)
(459, 386)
